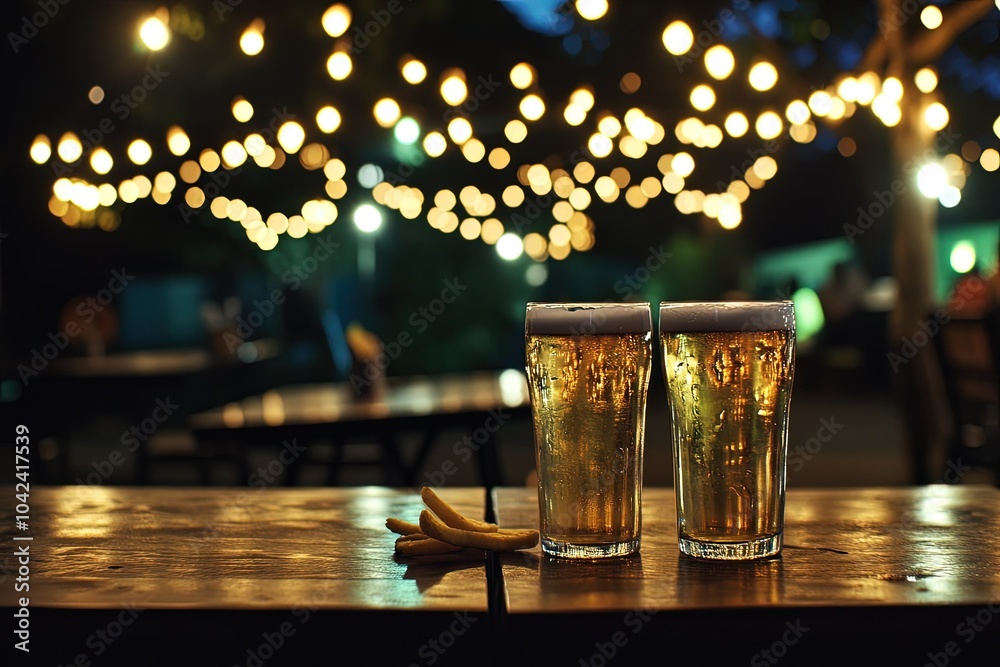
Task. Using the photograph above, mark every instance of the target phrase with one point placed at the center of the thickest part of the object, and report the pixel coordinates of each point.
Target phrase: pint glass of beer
(588, 367)
(728, 368)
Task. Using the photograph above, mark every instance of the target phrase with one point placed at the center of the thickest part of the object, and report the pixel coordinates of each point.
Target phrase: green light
(963, 257)
(809, 318)
(407, 131)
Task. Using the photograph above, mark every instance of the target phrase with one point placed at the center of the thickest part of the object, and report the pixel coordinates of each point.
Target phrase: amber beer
(588, 371)
(728, 368)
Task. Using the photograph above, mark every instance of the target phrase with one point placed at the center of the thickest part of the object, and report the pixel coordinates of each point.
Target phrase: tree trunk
(912, 357)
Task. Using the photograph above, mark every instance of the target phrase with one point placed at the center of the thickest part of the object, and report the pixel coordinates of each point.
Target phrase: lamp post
(368, 220)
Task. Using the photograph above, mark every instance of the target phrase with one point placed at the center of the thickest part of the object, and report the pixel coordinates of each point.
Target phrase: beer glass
(728, 368)
(588, 367)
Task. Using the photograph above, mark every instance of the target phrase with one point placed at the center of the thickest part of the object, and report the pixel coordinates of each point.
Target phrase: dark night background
(815, 193)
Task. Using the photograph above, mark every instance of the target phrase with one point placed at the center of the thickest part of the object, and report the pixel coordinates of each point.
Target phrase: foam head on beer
(684, 316)
(567, 319)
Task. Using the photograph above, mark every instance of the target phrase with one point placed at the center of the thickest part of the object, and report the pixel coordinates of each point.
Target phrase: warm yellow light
(765, 167)
(209, 160)
(678, 38)
(233, 154)
(242, 110)
(164, 182)
(515, 131)
(473, 150)
(435, 144)
(470, 229)
(804, 133)
(101, 161)
(868, 85)
(672, 183)
(252, 39)
(702, 97)
(499, 158)
(328, 119)
(414, 71)
(847, 89)
(820, 102)
(609, 126)
(255, 145)
(936, 116)
(996, 127)
(990, 159)
(453, 88)
(69, 148)
(931, 17)
(591, 10)
(386, 112)
(583, 98)
(41, 149)
(139, 151)
(290, 136)
(682, 164)
(460, 130)
(178, 141)
(768, 125)
(599, 145)
(763, 76)
(892, 88)
(737, 124)
(719, 62)
(797, 112)
(926, 80)
(339, 66)
(532, 107)
(513, 196)
(522, 75)
(574, 115)
(336, 20)
(154, 32)
(583, 172)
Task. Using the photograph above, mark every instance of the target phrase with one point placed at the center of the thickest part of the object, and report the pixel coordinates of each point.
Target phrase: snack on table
(444, 530)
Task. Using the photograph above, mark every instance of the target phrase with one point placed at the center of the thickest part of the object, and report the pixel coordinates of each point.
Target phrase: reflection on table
(894, 569)
(201, 576)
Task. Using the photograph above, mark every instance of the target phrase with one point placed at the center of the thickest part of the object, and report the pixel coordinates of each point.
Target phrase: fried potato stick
(451, 517)
(502, 540)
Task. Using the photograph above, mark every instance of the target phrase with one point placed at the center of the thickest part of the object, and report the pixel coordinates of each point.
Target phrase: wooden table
(333, 412)
(189, 576)
(878, 576)
(192, 576)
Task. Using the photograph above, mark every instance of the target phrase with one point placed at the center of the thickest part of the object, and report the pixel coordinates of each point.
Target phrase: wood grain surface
(236, 549)
(933, 545)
